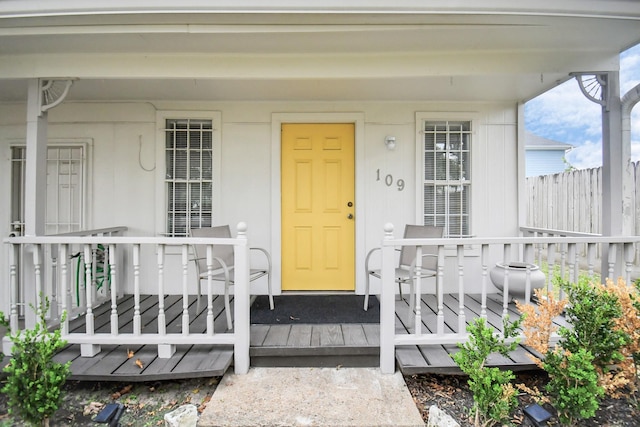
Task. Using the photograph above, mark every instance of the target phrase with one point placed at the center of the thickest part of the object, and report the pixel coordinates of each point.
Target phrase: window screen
(447, 176)
(189, 175)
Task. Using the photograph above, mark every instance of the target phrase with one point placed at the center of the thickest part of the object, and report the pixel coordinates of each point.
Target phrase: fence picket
(572, 200)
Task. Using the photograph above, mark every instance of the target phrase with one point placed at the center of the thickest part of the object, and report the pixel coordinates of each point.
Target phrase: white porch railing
(100, 277)
(115, 248)
(569, 255)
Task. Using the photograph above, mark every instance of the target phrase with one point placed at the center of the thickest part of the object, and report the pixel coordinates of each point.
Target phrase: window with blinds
(447, 176)
(189, 175)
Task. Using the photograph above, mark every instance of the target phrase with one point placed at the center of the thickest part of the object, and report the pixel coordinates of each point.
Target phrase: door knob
(350, 216)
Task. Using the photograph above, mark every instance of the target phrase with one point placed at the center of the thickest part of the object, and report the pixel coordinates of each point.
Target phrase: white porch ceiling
(409, 54)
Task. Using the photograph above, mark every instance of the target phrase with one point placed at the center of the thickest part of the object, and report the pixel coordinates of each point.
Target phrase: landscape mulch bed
(146, 403)
(451, 394)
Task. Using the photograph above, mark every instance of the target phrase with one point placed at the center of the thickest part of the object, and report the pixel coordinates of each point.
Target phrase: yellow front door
(318, 207)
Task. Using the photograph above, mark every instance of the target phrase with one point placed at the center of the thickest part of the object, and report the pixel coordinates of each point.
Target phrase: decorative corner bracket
(594, 87)
(53, 92)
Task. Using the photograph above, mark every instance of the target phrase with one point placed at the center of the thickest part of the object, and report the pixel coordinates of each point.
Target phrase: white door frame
(277, 119)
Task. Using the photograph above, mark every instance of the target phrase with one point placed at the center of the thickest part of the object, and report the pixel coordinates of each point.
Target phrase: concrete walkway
(311, 397)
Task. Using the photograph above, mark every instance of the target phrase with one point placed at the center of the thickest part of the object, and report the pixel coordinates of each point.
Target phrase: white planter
(517, 278)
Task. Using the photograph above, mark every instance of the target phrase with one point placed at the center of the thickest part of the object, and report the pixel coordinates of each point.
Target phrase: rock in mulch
(439, 418)
(184, 416)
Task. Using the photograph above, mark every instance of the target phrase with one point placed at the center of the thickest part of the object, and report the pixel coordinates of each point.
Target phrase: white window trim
(161, 202)
(421, 117)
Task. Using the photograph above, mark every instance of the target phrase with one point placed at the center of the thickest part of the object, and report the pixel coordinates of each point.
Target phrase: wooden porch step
(114, 364)
(325, 345)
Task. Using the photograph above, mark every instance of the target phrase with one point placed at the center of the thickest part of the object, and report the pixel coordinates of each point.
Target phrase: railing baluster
(162, 325)
(185, 290)
(93, 284)
(88, 274)
(15, 286)
(165, 351)
(210, 324)
(591, 248)
(485, 269)
(417, 295)
(137, 321)
(526, 257)
(611, 260)
(551, 262)
(113, 282)
(55, 294)
(462, 321)
(573, 267)
(65, 289)
(89, 350)
(440, 290)
(540, 250)
(563, 260)
(629, 254)
(506, 258)
(37, 266)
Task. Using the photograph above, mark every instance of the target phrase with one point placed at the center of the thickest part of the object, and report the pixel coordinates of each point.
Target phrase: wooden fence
(572, 201)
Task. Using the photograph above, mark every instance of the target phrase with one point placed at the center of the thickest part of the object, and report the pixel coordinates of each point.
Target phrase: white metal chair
(223, 265)
(405, 272)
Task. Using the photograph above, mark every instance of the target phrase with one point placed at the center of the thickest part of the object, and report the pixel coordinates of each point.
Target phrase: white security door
(65, 189)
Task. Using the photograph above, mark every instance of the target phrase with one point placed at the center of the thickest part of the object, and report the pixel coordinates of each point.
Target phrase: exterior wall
(545, 162)
(124, 146)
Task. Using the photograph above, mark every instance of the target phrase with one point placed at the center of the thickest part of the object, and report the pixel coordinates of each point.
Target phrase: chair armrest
(366, 260)
(222, 266)
(266, 254)
(413, 263)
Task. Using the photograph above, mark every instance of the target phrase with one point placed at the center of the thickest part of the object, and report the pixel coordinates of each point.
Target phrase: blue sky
(564, 114)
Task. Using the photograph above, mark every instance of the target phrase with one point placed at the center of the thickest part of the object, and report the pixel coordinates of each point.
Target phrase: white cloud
(629, 69)
(585, 156)
(564, 114)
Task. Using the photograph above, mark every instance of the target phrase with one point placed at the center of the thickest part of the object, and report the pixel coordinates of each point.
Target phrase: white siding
(123, 190)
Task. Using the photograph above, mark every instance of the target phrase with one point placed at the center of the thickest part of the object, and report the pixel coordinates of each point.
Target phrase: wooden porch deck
(324, 345)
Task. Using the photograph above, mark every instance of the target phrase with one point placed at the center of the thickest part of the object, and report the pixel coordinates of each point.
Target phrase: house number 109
(388, 180)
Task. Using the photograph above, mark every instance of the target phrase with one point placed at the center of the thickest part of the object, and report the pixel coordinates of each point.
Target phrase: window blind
(447, 176)
(189, 175)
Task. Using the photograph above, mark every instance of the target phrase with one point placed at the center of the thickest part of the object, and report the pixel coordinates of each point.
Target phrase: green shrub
(573, 385)
(579, 366)
(34, 380)
(592, 312)
(493, 395)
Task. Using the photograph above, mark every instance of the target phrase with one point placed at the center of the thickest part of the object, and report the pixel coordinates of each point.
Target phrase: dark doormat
(314, 309)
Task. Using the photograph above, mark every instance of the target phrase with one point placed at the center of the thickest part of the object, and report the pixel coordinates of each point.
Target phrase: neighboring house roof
(536, 142)
(544, 156)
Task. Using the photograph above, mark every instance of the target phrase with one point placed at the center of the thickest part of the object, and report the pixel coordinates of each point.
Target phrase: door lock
(350, 204)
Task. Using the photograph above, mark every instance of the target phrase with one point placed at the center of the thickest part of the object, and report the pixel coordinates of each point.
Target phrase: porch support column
(604, 89)
(35, 189)
(241, 303)
(387, 306)
(615, 164)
